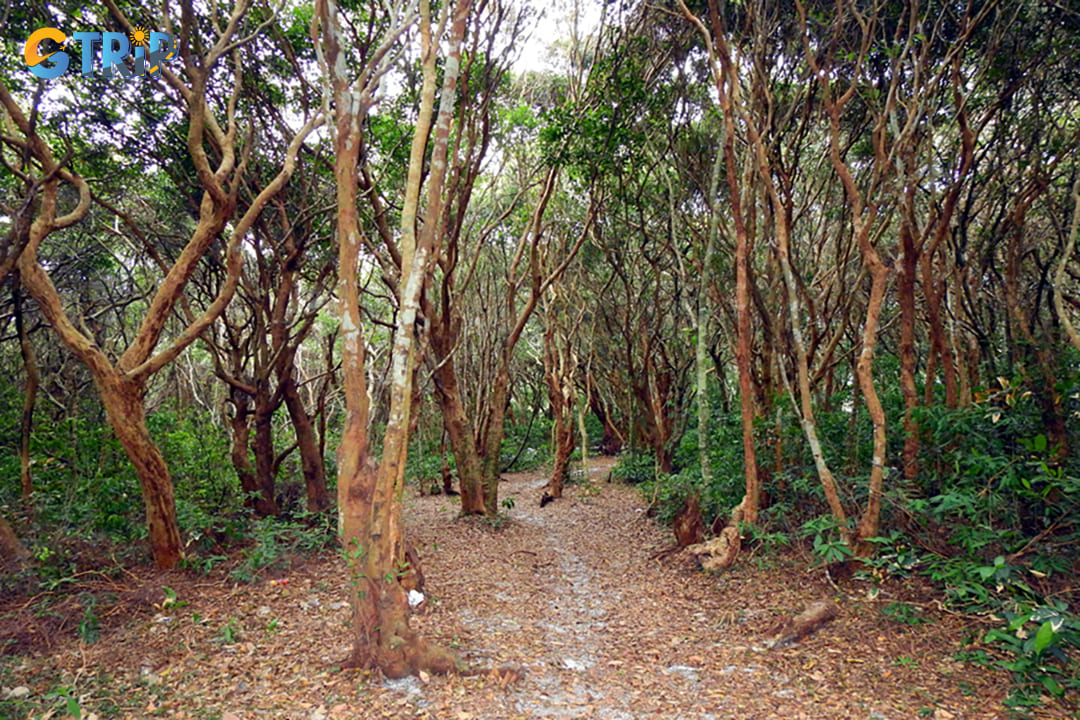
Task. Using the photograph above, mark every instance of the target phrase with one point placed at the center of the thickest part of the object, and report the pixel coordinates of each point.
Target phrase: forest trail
(572, 594)
(572, 597)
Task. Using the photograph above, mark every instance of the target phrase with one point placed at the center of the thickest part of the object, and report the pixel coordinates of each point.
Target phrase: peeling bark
(369, 493)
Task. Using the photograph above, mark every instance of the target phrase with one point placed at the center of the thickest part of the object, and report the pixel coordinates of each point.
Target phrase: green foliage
(229, 633)
(89, 627)
(829, 538)
(526, 445)
(991, 519)
(900, 612)
(275, 542)
(895, 558)
(607, 132)
(769, 541)
(85, 487)
(424, 465)
(1039, 639)
(172, 600)
(197, 454)
(68, 699)
(635, 468)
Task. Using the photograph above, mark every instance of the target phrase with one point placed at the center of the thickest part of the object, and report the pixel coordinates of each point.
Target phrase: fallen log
(809, 621)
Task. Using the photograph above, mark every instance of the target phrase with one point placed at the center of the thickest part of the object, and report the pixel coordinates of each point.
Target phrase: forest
(292, 287)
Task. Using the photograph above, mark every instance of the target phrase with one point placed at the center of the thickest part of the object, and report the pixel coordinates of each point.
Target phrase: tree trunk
(33, 378)
(1060, 274)
(369, 495)
(11, 550)
(869, 522)
(933, 290)
(123, 401)
(805, 407)
(494, 432)
(611, 442)
(444, 468)
(559, 366)
(653, 389)
(704, 329)
(1046, 393)
(459, 429)
(380, 622)
(122, 384)
(263, 502)
(727, 82)
(311, 459)
(906, 296)
(241, 436)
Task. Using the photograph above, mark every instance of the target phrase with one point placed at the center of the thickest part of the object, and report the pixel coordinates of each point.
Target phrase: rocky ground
(575, 594)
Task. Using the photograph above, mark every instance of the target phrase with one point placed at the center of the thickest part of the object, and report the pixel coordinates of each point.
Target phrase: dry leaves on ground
(572, 593)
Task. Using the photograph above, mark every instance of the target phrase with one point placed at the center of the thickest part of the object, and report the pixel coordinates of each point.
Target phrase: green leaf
(1052, 686)
(1044, 637)
(1039, 444)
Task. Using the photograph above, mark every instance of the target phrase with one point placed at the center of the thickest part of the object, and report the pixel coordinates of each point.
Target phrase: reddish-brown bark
(33, 379)
(443, 338)
(312, 466)
(560, 365)
(11, 549)
(369, 492)
(122, 384)
(905, 290)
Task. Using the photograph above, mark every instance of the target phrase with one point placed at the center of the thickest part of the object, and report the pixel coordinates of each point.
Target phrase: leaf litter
(574, 594)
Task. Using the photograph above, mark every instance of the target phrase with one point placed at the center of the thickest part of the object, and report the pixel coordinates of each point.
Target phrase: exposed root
(689, 529)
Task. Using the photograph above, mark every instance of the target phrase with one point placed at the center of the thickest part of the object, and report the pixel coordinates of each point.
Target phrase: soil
(578, 596)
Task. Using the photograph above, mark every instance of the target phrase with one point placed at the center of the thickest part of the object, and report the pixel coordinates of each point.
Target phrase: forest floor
(574, 594)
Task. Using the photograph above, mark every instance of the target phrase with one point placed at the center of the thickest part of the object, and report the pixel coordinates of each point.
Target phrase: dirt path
(570, 593)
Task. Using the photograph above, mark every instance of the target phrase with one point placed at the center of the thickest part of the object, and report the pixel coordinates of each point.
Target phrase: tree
(122, 383)
(561, 327)
(524, 268)
(369, 491)
(283, 288)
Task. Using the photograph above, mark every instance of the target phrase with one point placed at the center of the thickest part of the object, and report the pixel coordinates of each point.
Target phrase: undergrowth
(991, 522)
